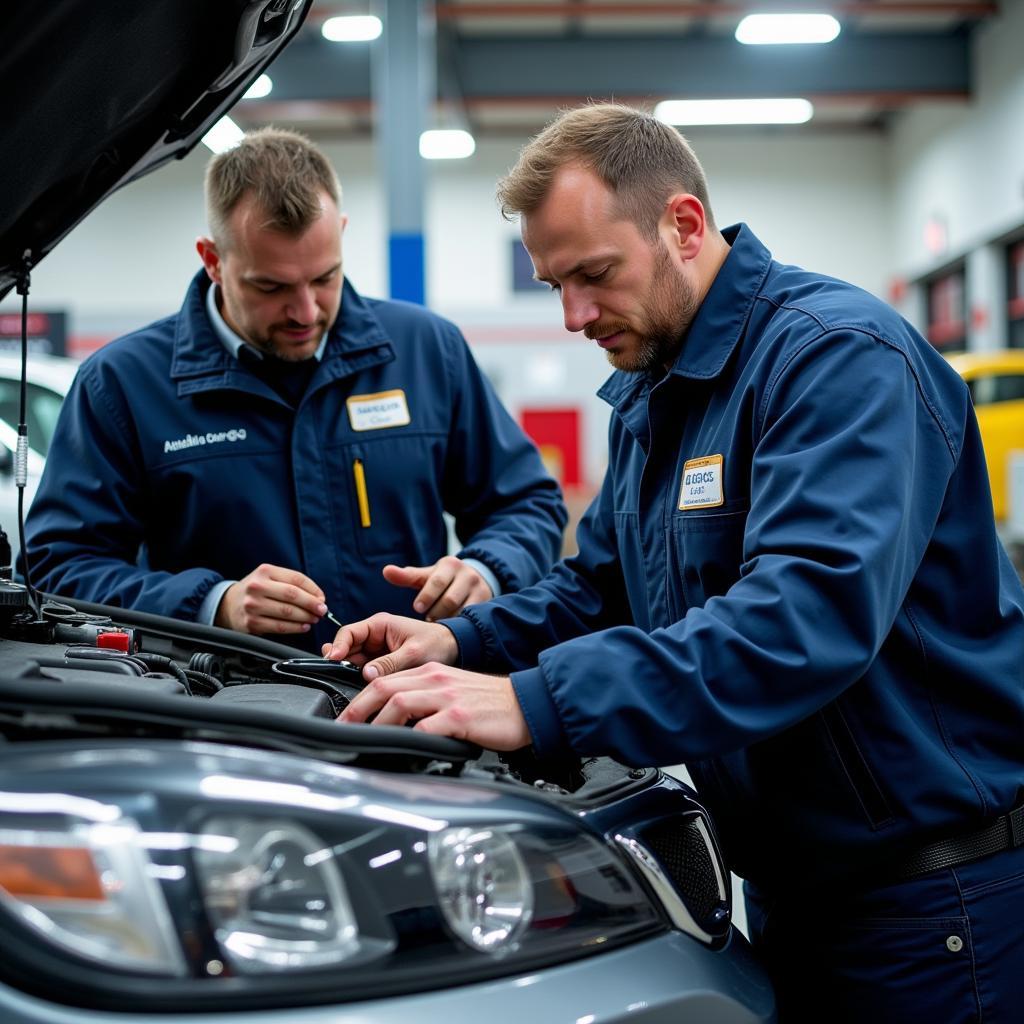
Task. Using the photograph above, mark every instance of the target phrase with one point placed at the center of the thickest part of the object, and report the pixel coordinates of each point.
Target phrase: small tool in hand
(332, 618)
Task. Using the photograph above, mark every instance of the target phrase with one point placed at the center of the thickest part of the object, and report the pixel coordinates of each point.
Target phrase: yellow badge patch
(376, 412)
(701, 486)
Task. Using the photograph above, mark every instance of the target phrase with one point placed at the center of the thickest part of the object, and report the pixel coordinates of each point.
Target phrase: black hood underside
(98, 94)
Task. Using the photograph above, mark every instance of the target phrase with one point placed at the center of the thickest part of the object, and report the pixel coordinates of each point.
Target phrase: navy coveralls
(173, 467)
(791, 581)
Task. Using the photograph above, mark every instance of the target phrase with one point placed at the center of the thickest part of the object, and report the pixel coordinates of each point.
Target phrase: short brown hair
(641, 159)
(283, 171)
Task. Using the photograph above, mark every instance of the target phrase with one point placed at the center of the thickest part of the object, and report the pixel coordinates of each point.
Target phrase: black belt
(1004, 833)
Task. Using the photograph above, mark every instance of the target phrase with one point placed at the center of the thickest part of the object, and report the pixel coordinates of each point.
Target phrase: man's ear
(684, 225)
(343, 221)
(207, 249)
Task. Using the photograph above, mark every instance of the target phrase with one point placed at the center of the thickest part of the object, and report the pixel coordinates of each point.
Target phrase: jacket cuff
(190, 591)
(471, 645)
(485, 574)
(540, 712)
(507, 579)
(208, 609)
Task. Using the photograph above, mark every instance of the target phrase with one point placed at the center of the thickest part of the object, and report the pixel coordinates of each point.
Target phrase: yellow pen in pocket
(361, 495)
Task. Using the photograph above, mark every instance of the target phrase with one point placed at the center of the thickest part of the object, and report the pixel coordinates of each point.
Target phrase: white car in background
(48, 380)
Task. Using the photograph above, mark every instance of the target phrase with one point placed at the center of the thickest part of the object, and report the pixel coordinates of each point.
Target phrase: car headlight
(209, 877)
(485, 892)
(274, 902)
(86, 889)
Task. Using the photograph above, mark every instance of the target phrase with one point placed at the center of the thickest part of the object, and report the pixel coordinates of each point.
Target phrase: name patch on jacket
(210, 437)
(375, 412)
(702, 483)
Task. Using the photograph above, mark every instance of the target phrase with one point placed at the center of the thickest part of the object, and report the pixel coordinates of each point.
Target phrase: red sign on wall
(556, 432)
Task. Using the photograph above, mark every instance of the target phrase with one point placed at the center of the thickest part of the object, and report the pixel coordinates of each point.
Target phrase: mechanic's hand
(445, 701)
(386, 643)
(445, 587)
(271, 599)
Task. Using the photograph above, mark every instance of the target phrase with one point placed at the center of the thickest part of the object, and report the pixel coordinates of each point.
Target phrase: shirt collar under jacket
(234, 342)
(354, 341)
(720, 320)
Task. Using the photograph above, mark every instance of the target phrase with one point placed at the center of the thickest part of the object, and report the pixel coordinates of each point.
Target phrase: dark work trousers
(947, 947)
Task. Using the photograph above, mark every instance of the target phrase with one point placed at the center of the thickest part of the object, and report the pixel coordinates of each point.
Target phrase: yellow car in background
(996, 380)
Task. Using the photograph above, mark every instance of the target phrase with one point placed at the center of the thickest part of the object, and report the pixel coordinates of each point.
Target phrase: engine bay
(70, 669)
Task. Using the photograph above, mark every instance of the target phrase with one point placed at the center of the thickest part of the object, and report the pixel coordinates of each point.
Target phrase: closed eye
(597, 275)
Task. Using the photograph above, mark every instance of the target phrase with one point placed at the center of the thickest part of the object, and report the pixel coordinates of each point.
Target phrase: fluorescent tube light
(352, 28)
(260, 88)
(446, 144)
(753, 111)
(223, 135)
(766, 29)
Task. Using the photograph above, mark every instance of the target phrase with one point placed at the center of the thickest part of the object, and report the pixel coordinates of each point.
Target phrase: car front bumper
(669, 978)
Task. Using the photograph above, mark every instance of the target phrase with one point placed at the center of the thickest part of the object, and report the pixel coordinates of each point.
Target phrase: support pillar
(404, 86)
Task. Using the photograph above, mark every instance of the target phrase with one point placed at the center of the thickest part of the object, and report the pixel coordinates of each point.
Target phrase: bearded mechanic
(282, 446)
(790, 581)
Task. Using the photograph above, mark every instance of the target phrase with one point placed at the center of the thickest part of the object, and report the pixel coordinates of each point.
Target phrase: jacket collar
(719, 323)
(355, 341)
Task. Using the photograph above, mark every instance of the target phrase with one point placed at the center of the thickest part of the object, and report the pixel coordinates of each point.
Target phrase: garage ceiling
(504, 65)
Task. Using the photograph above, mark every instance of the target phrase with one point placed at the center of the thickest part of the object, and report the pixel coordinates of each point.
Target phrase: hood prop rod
(24, 280)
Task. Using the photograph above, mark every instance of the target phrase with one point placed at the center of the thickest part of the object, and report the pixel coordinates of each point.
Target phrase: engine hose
(207, 663)
(211, 683)
(158, 662)
(54, 611)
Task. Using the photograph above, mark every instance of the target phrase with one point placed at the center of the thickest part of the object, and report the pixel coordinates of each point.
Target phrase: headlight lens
(482, 885)
(86, 888)
(275, 902)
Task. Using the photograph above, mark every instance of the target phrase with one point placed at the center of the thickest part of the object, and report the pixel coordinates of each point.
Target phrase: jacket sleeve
(86, 527)
(581, 594)
(847, 482)
(508, 511)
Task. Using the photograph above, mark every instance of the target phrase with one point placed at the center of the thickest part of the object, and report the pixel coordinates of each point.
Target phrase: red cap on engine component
(114, 641)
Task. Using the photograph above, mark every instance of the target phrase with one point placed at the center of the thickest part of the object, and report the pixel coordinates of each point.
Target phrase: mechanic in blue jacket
(790, 581)
(283, 446)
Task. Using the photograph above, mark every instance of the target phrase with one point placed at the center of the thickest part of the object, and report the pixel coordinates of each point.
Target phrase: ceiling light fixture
(223, 135)
(260, 88)
(767, 29)
(747, 111)
(446, 144)
(352, 28)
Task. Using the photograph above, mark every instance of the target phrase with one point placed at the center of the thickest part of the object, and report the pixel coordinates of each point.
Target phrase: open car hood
(99, 94)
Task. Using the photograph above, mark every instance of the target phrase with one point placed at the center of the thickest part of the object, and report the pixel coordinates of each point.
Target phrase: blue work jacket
(790, 581)
(174, 467)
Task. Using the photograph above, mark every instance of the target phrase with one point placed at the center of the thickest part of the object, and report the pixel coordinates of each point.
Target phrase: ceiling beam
(911, 66)
(582, 9)
(712, 67)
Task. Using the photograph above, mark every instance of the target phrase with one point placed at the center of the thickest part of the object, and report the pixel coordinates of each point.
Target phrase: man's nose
(303, 307)
(578, 310)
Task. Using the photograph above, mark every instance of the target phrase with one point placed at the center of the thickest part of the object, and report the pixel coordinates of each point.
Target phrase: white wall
(821, 201)
(131, 259)
(962, 167)
(964, 163)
